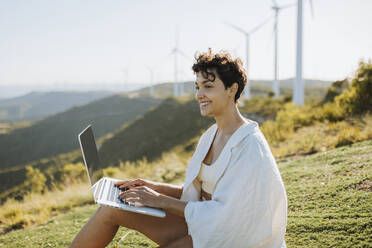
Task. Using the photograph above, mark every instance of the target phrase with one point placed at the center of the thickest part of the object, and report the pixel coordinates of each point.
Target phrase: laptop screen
(90, 155)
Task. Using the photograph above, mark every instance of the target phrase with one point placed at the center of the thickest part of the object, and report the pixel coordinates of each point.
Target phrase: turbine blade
(260, 25)
(311, 8)
(271, 38)
(235, 27)
(287, 6)
(171, 53)
(177, 36)
(234, 51)
(162, 61)
(183, 54)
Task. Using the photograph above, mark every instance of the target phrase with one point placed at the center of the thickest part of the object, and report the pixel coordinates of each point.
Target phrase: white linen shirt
(249, 204)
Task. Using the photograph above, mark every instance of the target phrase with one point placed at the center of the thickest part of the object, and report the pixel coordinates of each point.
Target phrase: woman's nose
(199, 94)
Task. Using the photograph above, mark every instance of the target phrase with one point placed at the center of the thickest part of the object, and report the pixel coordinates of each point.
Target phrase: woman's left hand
(143, 195)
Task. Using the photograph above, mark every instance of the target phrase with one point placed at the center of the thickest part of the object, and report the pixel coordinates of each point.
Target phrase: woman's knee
(119, 217)
(109, 215)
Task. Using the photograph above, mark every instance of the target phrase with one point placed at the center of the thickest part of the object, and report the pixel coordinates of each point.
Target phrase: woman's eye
(208, 86)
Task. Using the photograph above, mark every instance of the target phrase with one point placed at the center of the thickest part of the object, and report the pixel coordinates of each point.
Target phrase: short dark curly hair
(229, 71)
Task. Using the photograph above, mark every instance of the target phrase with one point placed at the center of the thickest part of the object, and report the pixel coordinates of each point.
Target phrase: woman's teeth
(204, 104)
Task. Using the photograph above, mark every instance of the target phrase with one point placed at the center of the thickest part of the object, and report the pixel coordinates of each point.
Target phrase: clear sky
(93, 41)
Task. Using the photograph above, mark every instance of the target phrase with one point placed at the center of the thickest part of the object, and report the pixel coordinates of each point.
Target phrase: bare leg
(184, 242)
(102, 227)
(97, 232)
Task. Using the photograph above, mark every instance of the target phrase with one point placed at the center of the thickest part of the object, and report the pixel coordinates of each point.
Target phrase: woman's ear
(233, 89)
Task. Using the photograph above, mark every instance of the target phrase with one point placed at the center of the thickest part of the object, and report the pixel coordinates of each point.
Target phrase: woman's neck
(229, 121)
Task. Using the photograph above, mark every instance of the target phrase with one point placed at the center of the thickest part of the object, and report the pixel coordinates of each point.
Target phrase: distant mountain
(37, 105)
(288, 83)
(258, 87)
(58, 133)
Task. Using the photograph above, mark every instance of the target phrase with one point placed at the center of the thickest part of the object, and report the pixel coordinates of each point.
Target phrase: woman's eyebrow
(203, 82)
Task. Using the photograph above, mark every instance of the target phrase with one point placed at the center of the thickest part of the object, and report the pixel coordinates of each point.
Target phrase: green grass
(59, 231)
(8, 127)
(330, 203)
(329, 195)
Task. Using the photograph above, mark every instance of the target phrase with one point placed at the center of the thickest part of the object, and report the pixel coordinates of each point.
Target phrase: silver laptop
(104, 191)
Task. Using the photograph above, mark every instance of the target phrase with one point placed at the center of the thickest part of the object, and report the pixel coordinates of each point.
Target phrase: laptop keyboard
(98, 189)
(107, 191)
(113, 193)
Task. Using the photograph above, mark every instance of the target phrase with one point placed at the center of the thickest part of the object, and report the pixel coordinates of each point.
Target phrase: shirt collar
(239, 134)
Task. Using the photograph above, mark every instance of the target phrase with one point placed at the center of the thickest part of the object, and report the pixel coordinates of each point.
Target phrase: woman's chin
(205, 113)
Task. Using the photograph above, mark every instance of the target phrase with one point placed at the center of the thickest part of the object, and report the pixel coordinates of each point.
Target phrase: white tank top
(207, 177)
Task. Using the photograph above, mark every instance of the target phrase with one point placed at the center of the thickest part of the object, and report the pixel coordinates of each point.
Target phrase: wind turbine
(298, 87)
(125, 74)
(277, 9)
(247, 91)
(174, 52)
(151, 70)
(178, 89)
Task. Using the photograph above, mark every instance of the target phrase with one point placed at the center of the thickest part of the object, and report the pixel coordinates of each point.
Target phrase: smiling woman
(233, 195)
(213, 89)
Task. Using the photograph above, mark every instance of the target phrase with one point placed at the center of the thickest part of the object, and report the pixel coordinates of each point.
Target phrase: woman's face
(212, 96)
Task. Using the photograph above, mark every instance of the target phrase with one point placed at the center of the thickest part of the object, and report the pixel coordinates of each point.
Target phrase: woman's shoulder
(254, 143)
(247, 134)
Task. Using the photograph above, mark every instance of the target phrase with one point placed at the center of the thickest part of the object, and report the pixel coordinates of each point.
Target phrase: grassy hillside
(58, 133)
(330, 198)
(154, 133)
(293, 131)
(329, 204)
(8, 127)
(171, 123)
(37, 105)
(147, 136)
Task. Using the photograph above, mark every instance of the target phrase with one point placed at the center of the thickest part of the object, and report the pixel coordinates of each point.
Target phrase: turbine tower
(125, 74)
(151, 88)
(298, 87)
(247, 90)
(277, 9)
(175, 85)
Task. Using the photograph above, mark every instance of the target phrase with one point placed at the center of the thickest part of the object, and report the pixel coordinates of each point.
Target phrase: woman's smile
(204, 104)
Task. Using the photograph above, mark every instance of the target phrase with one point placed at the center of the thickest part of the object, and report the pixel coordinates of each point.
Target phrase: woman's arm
(167, 189)
(171, 190)
(172, 205)
(149, 197)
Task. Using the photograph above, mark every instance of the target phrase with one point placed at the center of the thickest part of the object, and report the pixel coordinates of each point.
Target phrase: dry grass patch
(319, 137)
(37, 208)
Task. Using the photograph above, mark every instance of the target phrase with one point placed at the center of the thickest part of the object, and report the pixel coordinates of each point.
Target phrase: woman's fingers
(130, 197)
(118, 183)
(128, 193)
(128, 183)
(141, 194)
